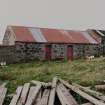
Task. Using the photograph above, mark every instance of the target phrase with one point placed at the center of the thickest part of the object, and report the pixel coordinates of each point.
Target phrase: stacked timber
(57, 92)
(3, 91)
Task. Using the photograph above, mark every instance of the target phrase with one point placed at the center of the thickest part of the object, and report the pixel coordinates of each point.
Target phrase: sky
(63, 14)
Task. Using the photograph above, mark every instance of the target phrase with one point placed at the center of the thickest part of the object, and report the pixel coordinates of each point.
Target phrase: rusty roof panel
(91, 40)
(77, 37)
(54, 36)
(45, 35)
(94, 35)
(23, 34)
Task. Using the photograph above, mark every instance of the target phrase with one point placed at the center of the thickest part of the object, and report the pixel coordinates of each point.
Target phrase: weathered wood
(83, 94)
(100, 87)
(87, 104)
(3, 85)
(24, 94)
(64, 96)
(16, 96)
(67, 94)
(37, 101)
(61, 97)
(52, 93)
(42, 83)
(104, 81)
(44, 99)
(91, 92)
(33, 94)
(3, 92)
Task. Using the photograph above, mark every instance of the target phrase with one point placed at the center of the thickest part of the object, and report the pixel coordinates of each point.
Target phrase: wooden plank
(1, 90)
(61, 97)
(87, 104)
(44, 100)
(52, 93)
(24, 94)
(64, 96)
(100, 87)
(33, 94)
(38, 98)
(42, 83)
(83, 94)
(2, 95)
(91, 92)
(67, 94)
(16, 96)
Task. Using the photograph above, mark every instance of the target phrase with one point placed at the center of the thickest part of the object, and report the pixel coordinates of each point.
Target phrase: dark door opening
(48, 52)
(70, 52)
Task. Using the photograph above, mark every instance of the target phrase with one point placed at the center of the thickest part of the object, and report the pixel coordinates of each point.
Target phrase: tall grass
(79, 71)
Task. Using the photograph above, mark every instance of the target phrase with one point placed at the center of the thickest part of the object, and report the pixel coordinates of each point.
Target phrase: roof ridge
(45, 28)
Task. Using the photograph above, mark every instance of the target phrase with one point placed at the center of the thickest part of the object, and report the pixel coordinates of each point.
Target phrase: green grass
(79, 71)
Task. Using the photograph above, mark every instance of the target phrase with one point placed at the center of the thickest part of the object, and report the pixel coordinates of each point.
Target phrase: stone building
(45, 44)
(99, 36)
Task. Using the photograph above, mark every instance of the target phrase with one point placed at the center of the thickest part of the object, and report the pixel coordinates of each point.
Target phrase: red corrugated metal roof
(23, 34)
(64, 36)
(77, 37)
(54, 36)
(51, 35)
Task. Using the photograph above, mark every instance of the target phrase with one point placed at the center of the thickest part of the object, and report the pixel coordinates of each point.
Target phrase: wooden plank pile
(57, 92)
(3, 91)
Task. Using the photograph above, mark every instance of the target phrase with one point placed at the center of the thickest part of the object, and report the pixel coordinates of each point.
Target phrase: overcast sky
(66, 14)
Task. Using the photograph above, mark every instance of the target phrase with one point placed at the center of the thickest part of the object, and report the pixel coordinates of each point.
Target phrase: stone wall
(59, 51)
(7, 54)
(78, 51)
(81, 51)
(32, 51)
(25, 52)
(29, 51)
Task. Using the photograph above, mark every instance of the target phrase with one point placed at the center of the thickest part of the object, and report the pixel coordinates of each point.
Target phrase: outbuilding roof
(47, 35)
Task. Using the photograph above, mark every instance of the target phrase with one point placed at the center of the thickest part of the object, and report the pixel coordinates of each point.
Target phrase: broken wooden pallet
(57, 92)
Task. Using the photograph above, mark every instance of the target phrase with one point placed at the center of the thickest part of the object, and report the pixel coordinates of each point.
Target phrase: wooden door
(48, 52)
(70, 52)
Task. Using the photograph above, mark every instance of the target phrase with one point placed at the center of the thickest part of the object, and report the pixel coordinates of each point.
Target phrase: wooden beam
(52, 93)
(44, 99)
(87, 104)
(64, 96)
(83, 94)
(61, 97)
(16, 96)
(67, 94)
(91, 92)
(42, 83)
(100, 87)
(24, 94)
(3, 92)
(33, 94)
(38, 99)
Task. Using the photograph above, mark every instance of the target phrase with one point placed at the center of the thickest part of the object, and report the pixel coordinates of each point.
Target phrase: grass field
(80, 71)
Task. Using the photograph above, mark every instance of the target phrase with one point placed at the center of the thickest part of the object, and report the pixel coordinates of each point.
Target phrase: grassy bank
(80, 71)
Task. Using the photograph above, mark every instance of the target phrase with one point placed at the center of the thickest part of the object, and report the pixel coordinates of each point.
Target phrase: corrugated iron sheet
(45, 35)
(94, 35)
(54, 36)
(91, 40)
(23, 34)
(78, 37)
(37, 34)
